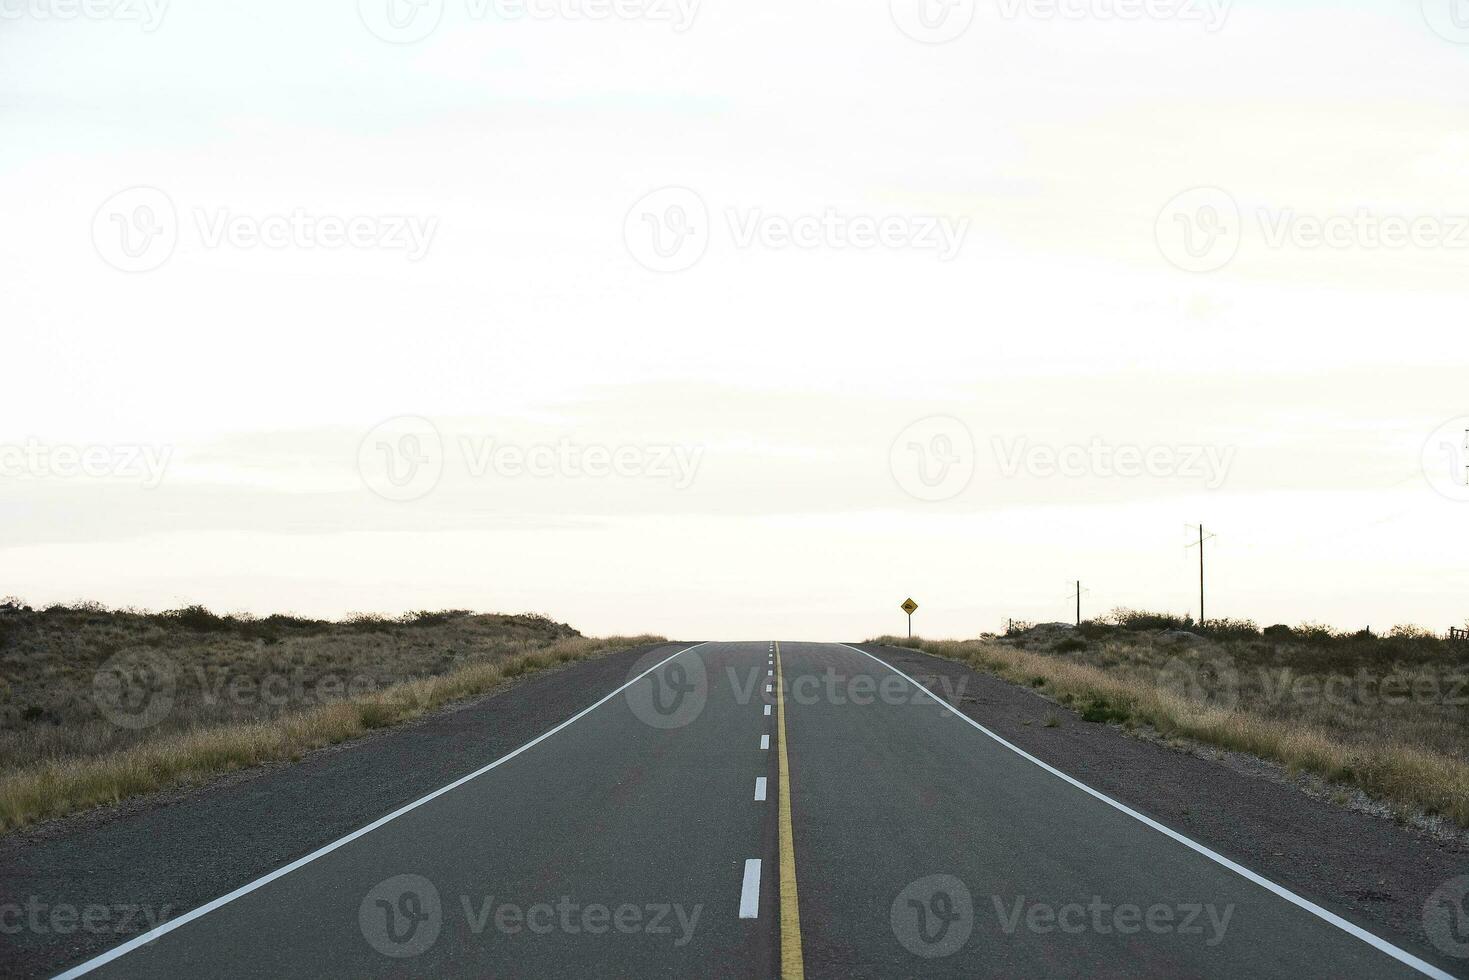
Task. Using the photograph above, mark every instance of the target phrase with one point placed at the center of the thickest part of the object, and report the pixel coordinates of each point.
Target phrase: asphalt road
(644, 837)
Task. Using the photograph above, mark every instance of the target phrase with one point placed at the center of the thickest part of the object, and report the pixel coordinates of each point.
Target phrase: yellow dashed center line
(792, 966)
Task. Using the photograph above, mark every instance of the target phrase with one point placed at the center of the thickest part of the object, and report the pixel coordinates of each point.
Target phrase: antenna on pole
(1202, 538)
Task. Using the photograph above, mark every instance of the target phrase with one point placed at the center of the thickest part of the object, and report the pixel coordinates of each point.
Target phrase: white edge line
(759, 788)
(750, 890)
(765, 742)
(1382, 945)
(767, 709)
(172, 924)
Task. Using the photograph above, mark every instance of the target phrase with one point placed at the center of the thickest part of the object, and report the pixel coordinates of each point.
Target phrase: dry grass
(1408, 755)
(331, 682)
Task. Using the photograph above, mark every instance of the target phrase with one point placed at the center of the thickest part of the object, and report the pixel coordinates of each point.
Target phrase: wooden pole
(1201, 575)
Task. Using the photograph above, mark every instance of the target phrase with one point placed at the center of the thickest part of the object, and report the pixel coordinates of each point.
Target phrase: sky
(737, 320)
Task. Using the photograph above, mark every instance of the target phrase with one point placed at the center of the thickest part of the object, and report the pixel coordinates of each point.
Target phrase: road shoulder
(1371, 870)
(165, 855)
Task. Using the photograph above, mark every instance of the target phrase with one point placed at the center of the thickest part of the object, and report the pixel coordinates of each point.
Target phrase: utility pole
(1077, 596)
(1202, 539)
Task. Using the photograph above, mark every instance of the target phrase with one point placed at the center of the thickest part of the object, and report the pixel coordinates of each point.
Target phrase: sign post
(909, 607)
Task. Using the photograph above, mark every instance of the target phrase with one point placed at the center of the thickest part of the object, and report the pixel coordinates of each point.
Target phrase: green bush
(1101, 711)
(198, 618)
(1137, 620)
(1229, 629)
(425, 617)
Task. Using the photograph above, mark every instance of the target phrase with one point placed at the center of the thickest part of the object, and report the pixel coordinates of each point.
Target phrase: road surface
(757, 810)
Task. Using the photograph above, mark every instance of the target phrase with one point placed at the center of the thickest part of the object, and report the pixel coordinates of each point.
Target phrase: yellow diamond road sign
(909, 606)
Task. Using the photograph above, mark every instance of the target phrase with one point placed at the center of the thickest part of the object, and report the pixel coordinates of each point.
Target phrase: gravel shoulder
(1371, 870)
(164, 855)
